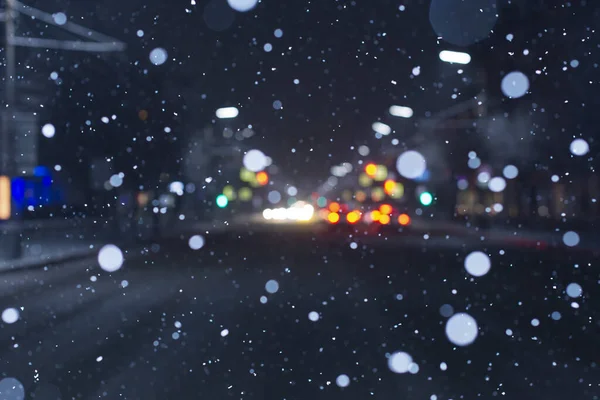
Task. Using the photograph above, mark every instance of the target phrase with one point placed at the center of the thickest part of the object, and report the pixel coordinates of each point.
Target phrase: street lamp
(227, 112)
(455, 57)
(401, 111)
(381, 128)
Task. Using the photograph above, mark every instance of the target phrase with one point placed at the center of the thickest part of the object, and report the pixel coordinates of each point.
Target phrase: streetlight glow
(227, 112)
(455, 57)
(381, 128)
(400, 111)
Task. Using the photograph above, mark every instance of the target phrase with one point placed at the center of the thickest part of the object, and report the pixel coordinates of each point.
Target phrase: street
(289, 315)
(301, 200)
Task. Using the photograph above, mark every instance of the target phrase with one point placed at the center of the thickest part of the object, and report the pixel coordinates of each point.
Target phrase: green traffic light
(321, 201)
(426, 198)
(222, 201)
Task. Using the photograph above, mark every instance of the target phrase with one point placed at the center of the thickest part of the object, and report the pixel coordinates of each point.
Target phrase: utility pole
(9, 88)
(11, 246)
(10, 161)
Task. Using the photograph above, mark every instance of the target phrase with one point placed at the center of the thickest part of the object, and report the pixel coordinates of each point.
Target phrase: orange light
(385, 209)
(375, 215)
(334, 207)
(5, 197)
(360, 196)
(371, 170)
(333, 218)
(143, 115)
(384, 219)
(353, 217)
(389, 186)
(403, 219)
(142, 199)
(262, 178)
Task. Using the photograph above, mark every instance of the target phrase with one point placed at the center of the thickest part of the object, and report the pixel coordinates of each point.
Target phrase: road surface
(174, 323)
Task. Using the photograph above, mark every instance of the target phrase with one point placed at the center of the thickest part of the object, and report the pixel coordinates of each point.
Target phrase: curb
(7, 267)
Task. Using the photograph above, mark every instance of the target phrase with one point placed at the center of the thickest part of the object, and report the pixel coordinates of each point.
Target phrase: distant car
(368, 219)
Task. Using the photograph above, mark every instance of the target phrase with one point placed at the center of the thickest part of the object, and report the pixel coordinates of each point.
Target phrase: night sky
(353, 59)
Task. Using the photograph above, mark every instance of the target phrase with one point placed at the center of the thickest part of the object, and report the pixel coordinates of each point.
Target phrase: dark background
(345, 54)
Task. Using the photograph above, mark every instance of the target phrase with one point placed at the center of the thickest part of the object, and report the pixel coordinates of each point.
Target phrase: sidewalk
(40, 252)
(52, 241)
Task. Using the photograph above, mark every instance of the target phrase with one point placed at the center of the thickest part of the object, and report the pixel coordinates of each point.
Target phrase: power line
(74, 45)
(68, 26)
